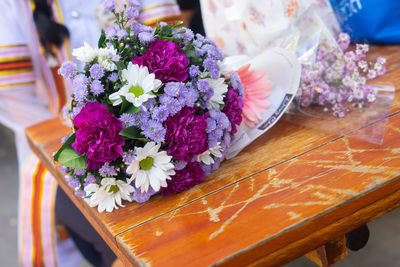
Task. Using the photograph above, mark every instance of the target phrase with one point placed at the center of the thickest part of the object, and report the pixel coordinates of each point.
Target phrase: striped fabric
(159, 10)
(37, 192)
(15, 66)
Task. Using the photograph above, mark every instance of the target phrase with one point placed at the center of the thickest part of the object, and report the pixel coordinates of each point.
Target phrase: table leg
(330, 253)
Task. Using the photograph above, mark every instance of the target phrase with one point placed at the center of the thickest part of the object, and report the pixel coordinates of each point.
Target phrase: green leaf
(132, 110)
(133, 133)
(67, 143)
(102, 39)
(120, 65)
(71, 159)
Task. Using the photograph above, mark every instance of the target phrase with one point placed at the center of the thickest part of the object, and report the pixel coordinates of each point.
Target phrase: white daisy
(151, 168)
(109, 194)
(85, 53)
(206, 158)
(139, 87)
(220, 88)
(105, 58)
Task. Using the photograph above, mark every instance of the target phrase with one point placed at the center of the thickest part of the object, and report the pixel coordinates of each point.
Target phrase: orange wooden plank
(270, 204)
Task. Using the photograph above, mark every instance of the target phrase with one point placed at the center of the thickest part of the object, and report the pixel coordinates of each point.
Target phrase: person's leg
(87, 240)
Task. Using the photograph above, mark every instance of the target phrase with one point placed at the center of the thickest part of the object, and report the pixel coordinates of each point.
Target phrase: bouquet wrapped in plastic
(333, 94)
(151, 111)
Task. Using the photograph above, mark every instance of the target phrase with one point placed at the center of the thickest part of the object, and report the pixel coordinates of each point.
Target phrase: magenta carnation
(166, 60)
(184, 179)
(98, 135)
(233, 108)
(186, 133)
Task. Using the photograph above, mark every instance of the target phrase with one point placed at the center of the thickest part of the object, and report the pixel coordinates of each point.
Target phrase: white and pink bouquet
(151, 112)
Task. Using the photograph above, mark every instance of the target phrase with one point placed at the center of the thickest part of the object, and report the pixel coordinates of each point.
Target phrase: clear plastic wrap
(304, 27)
(335, 93)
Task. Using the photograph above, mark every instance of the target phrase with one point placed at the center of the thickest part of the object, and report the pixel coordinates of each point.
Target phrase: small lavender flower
(73, 182)
(194, 71)
(237, 84)
(211, 125)
(140, 197)
(180, 165)
(96, 71)
(90, 179)
(146, 37)
(80, 193)
(204, 86)
(128, 156)
(165, 99)
(75, 111)
(138, 28)
(79, 171)
(191, 96)
(109, 5)
(80, 94)
(96, 87)
(155, 131)
(213, 52)
(174, 89)
(80, 80)
(131, 12)
(110, 32)
(121, 33)
(128, 119)
(186, 36)
(160, 113)
(67, 70)
(212, 66)
(64, 169)
(113, 77)
(173, 106)
(107, 170)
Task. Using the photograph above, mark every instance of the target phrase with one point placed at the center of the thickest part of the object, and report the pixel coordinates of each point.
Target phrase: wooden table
(294, 190)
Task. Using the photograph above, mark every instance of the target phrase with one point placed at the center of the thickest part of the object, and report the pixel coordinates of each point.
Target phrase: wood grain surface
(291, 191)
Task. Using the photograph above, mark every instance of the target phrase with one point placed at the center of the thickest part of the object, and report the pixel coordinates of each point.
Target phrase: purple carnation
(166, 60)
(186, 134)
(233, 108)
(97, 135)
(184, 179)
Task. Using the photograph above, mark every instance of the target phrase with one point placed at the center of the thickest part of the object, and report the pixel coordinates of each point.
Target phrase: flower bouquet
(151, 112)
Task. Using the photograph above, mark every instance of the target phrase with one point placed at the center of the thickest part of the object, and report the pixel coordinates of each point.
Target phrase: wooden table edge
(89, 214)
(373, 197)
(334, 230)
